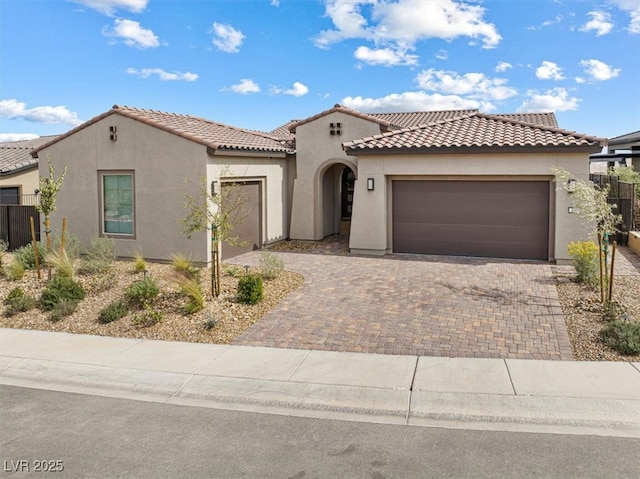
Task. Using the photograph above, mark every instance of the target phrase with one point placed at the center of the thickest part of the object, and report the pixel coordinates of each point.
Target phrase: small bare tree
(592, 207)
(49, 188)
(218, 211)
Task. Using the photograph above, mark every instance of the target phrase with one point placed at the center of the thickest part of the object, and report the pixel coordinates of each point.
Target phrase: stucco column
(302, 211)
(369, 219)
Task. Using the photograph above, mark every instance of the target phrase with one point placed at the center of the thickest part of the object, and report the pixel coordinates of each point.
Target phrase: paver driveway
(416, 305)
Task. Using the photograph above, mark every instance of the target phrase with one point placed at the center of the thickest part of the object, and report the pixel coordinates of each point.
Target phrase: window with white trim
(117, 209)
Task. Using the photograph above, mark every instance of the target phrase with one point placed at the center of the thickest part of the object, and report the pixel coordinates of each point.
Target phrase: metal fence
(623, 195)
(15, 223)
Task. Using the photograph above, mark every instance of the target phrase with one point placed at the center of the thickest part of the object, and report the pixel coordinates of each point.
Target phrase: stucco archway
(335, 180)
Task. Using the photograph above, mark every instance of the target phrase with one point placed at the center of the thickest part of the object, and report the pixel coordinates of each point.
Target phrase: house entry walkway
(415, 305)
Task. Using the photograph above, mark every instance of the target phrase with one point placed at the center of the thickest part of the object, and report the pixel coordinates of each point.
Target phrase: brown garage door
(245, 200)
(497, 219)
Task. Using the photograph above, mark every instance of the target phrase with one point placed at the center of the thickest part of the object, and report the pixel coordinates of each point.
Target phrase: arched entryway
(337, 199)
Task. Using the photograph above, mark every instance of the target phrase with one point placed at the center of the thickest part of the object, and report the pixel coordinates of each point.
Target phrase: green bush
(142, 292)
(26, 257)
(191, 289)
(58, 289)
(233, 270)
(63, 308)
(13, 294)
(113, 311)
(622, 336)
(18, 305)
(148, 317)
(72, 244)
(139, 263)
(100, 256)
(250, 289)
(271, 265)
(61, 262)
(585, 259)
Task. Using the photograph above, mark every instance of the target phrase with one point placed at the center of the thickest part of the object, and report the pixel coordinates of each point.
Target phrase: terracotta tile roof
(214, 135)
(384, 124)
(16, 156)
(542, 119)
(473, 130)
(415, 118)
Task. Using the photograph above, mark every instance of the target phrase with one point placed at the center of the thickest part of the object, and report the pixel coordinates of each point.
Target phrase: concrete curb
(491, 394)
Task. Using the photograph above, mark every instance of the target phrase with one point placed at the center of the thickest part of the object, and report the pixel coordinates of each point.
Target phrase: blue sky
(257, 64)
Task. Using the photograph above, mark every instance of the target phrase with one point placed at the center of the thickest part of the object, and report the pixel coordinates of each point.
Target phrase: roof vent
(335, 129)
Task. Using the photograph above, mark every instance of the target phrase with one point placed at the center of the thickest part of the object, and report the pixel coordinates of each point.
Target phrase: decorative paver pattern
(416, 305)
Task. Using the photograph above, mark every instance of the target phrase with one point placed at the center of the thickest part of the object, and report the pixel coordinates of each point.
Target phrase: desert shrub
(72, 244)
(58, 289)
(100, 256)
(15, 271)
(184, 265)
(148, 317)
(233, 270)
(622, 336)
(585, 259)
(142, 292)
(271, 265)
(17, 301)
(191, 289)
(139, 263)
(61, 262)
(26, 256)
(113, 311)
(210, 324)
(63, 308)
(250, 289)
(4, 246)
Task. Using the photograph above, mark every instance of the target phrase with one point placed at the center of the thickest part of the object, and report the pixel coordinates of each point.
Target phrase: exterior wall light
(214, 188)
(571, 185)
(370, 184)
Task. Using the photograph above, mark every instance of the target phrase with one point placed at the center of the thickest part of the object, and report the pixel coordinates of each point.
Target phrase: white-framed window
(117, 203)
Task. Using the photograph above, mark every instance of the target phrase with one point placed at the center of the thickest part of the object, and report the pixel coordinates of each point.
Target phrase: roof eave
(445, 150)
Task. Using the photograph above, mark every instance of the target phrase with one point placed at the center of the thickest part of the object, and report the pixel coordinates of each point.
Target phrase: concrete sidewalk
(597, 398)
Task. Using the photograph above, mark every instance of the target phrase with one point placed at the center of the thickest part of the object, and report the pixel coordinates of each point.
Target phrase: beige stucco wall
(165, 167)
(26, 180)
(275, 176)
(371, 230)
(316, 152)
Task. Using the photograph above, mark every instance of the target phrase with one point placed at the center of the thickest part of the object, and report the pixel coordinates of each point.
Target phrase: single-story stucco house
(440, 182)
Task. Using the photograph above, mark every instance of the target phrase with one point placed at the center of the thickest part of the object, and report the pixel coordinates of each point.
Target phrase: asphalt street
(75, 436)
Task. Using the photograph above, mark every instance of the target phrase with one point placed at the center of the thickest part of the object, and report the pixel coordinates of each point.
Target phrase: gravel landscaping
(223, 319)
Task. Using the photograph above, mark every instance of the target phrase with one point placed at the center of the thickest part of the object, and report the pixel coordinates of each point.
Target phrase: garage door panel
(247, 230)
(472, 218)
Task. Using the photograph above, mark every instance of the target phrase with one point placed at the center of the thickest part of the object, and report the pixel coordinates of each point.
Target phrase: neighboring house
(19, 176)
(448, 182)
(622, 150)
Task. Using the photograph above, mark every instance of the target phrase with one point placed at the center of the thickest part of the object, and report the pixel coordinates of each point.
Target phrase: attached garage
(498, 219)
(246, 200)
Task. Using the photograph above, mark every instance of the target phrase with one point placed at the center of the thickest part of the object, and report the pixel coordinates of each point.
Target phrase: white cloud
(600, 23)
(227, 38)
(15, 109)
(549, 71)
(396, 26)
(599, 71)
(245, 86)
(557, 99)
(384, 56)
(132, 34)
(442, 54)
(473, 85)
(298, 89)
(503, 67)
(109, 7)
(413, 101)
(275, 3)
(163, 75)
(632, 7)
(4, 137)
